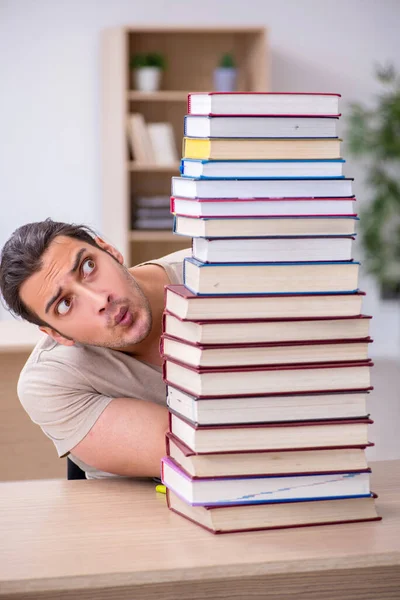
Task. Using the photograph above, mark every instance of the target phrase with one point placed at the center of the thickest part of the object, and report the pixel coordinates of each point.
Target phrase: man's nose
(99, 299)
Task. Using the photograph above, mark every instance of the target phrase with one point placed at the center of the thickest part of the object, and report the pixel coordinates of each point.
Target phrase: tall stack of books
(265, 347)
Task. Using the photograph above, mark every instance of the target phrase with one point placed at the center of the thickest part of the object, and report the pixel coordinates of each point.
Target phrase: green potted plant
(147, 69)
(225, 74)
(374, 136)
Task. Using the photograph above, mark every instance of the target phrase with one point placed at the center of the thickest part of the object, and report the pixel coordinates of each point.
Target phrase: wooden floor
(26, 453)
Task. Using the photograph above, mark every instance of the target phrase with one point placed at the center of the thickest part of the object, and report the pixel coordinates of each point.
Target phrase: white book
(253, 127)
(163, 143)
(139, 139)
(186, 187)
(271, 488)
(263, 103)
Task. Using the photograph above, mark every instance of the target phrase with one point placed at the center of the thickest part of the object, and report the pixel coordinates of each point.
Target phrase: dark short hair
(21, 257)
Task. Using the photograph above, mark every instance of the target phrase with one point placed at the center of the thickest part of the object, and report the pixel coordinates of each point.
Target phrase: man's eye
(64, 306)
(88, 266)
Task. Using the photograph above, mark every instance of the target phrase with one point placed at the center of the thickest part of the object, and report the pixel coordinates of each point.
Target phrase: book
(263, 226)
(263, 103)
(186, 187)
(259, 409)
(163, 143)
(267, 462)
(268, 488)
(273, 249)
(259, 127)
(153, 223)
(262, 207)
(255, 330)
(152, 201)
(188, 306)
(264, 353)
(261, 148)
(153, 212)
(267, 380)
(241, 517)
(270, 436)
(139, 139)
(261, 168)
(261, 278)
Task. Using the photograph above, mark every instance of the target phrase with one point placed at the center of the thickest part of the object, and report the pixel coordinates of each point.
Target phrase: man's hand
(127, 439)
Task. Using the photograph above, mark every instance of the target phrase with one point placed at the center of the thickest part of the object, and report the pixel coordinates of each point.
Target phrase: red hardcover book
(267, 380)
(264, 353)
(268, 462)
(207, 439)
(236, 331)
(183, 303)
(279, 515)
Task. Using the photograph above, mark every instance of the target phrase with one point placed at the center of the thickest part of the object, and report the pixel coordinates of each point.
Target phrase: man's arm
(127, 439)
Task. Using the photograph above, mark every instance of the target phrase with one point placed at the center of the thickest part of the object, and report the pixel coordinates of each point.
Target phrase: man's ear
(110, 249)
(57, 337)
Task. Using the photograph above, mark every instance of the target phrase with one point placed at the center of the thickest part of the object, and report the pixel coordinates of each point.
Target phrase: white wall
(49, 104)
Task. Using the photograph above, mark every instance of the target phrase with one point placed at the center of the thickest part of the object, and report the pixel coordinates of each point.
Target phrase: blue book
(260, 169)
(270, 278)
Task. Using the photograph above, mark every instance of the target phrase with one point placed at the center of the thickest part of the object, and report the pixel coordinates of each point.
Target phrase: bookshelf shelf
(162, 96)
(156, 236)
(191, 54)
(139, 167)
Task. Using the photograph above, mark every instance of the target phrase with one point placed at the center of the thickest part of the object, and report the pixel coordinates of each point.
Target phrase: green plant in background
(227, 62)
(151, 59)
(374, 135)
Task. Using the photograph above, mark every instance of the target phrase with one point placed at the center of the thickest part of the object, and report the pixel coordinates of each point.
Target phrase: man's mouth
(124, 317)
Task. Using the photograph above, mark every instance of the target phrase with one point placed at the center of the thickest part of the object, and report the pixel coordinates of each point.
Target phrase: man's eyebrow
(73, 269)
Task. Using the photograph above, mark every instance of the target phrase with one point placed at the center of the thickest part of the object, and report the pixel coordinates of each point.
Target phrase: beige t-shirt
(64, 389)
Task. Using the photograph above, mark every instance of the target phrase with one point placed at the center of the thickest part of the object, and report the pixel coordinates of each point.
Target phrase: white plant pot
(147, 79)
(225, 79)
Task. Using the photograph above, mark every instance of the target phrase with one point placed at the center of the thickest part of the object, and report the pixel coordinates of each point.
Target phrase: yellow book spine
(196, 148)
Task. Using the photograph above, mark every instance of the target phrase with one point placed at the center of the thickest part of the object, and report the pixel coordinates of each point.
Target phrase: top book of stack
(261, 103)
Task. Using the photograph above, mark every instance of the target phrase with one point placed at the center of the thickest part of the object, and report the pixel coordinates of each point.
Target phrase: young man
(94, 381)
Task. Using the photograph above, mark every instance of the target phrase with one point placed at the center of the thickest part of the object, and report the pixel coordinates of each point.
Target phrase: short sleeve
(61, 401)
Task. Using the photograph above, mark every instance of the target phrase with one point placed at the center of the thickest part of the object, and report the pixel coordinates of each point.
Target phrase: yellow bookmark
(161, 489)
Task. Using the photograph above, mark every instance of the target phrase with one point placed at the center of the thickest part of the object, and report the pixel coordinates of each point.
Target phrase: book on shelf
(262, 207)
(241, 517)
(267, 380)
(273, 249)
(255, 330)
(153, 223)
(264, 353)
(261, 148)
(259, 409)
(153, 212)
(267, 462)
(139, 139)
(152, 201)
(240, 227)
(267, 488)
(186, 305)
(270, 436)
(246, 169)
(186, 187)
(258, 127)
(260, 278)
(163, 143)
(263, 103)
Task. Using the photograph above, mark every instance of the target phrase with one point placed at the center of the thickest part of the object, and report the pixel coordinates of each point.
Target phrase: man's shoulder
(172, 264)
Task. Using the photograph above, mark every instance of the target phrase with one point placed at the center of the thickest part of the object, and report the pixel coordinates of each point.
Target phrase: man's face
(87, 295)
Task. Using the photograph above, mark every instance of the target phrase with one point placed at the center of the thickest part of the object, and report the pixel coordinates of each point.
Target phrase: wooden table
(117, 539)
